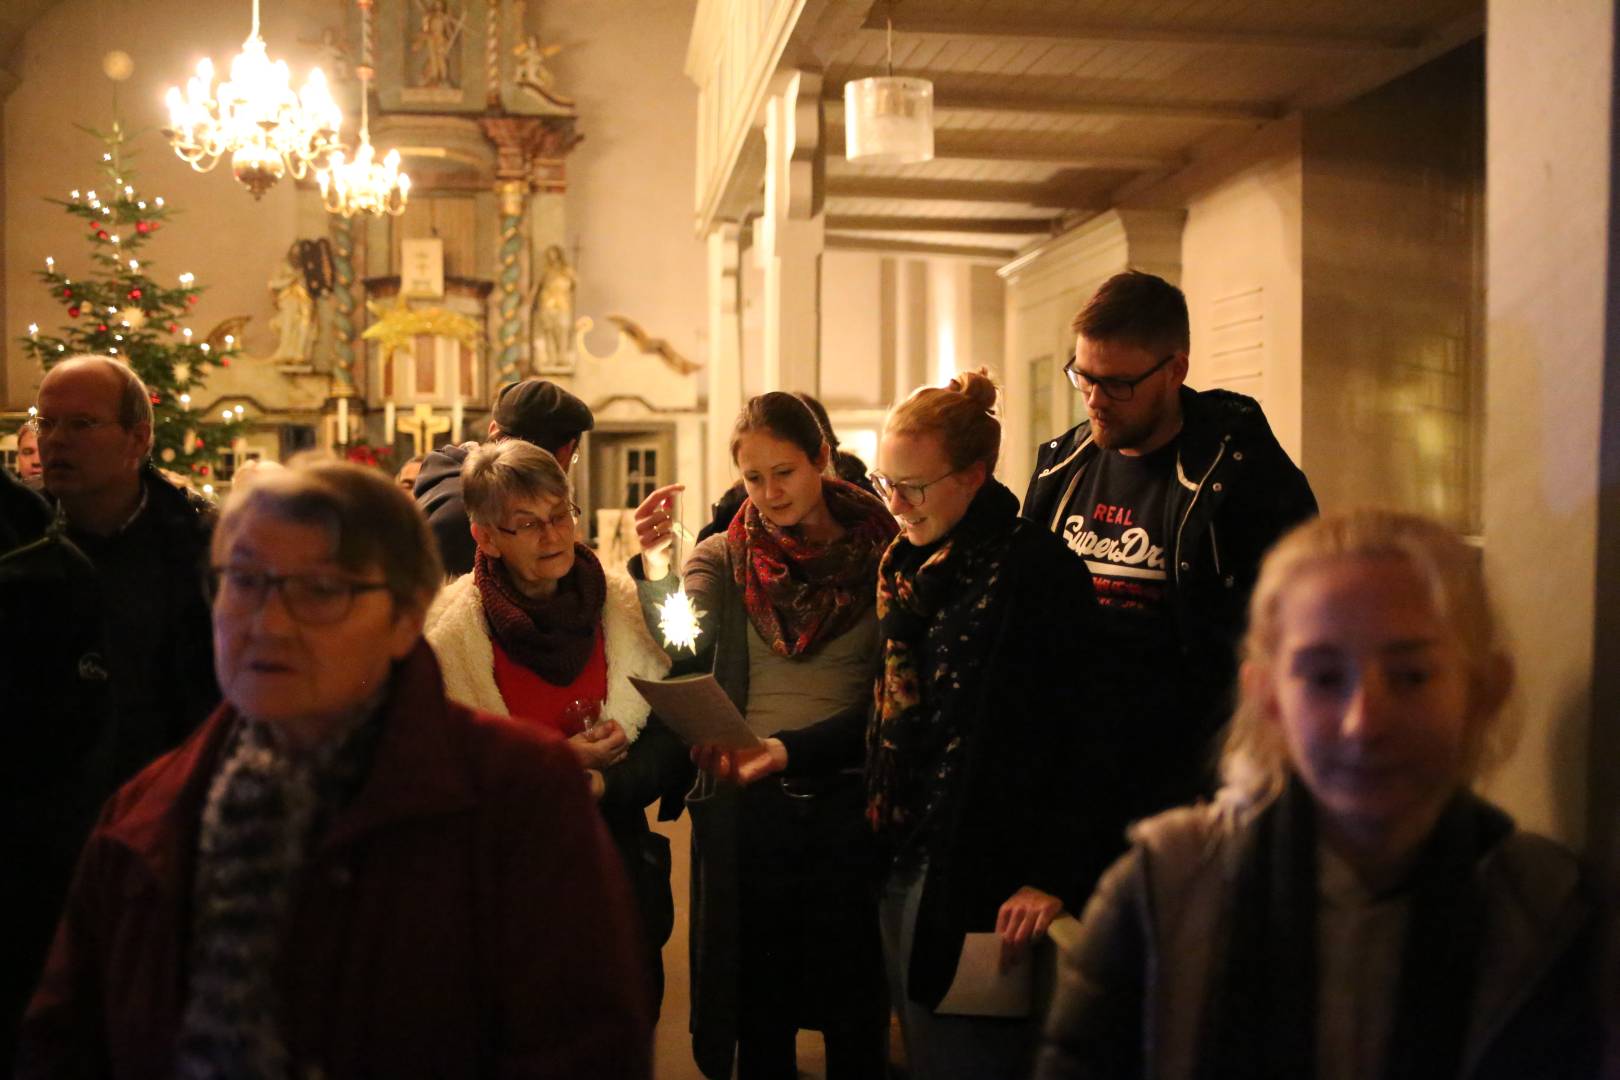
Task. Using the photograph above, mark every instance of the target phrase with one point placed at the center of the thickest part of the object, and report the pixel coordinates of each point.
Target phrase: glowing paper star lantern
(678, 621)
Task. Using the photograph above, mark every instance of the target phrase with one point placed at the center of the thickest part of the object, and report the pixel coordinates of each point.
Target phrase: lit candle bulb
(33, 328)
(50, 263)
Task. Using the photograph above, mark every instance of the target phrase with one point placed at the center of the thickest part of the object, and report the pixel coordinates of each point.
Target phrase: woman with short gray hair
(540, 632)
(341, 873)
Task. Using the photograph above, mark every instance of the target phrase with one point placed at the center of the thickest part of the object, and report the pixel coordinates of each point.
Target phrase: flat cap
(541, 412)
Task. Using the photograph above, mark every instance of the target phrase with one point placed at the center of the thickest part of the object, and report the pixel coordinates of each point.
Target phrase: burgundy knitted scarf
(800, 594)
(553, 637)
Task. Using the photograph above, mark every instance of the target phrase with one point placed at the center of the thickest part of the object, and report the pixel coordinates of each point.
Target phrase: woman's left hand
(1023, 919)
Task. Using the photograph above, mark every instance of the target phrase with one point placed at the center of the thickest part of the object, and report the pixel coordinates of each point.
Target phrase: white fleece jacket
(459, 634)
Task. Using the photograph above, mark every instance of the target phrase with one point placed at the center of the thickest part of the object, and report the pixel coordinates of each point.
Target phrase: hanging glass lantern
(889, 120)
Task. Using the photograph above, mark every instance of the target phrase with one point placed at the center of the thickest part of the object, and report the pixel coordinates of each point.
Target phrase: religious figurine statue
(294, 321)
(438, 33)
(531, 75)
(336, 60)
(555, 294)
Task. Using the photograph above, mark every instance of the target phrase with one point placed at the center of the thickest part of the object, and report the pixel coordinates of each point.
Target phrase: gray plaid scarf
(264, 807)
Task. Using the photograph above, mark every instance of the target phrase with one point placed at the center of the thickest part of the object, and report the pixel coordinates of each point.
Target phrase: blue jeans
(944, 1047)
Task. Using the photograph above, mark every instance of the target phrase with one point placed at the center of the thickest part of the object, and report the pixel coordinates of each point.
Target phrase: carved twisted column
(344, 303)
(529, 158)
(511, 342)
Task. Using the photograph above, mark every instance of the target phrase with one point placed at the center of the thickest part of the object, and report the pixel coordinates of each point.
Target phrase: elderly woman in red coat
(342, 873)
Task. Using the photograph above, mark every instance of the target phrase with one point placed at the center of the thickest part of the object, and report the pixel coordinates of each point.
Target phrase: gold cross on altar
(421, 426)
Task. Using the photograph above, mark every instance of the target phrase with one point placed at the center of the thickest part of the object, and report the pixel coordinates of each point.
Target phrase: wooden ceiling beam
(976, 225)
(838, 242)
(1023, 29)
(968, 191)
(1016, 103)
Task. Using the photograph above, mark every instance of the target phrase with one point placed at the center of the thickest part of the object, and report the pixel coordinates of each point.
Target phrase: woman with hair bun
(784, 927)
(988, 781)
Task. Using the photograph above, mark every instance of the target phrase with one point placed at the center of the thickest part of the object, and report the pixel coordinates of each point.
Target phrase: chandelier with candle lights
(254, 117)
(364, 185)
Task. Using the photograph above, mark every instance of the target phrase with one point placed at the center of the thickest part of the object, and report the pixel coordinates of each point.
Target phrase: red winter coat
(465, 916)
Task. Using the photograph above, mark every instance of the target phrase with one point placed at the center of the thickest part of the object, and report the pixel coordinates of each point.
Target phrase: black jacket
(61, 746)
(1245, 493)
(1035, 802)
(438, 493)
(56, 745)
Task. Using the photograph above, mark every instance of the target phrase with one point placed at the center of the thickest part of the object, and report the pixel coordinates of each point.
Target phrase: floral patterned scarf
(935, 606)
(801, 594)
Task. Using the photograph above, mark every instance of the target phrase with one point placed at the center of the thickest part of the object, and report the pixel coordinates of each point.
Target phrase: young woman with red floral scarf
(784, 918)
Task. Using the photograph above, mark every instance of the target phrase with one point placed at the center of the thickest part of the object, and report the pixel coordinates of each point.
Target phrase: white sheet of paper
(695, 708)
(981, 989)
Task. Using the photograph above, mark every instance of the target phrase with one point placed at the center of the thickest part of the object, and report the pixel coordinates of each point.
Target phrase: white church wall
(628, 207)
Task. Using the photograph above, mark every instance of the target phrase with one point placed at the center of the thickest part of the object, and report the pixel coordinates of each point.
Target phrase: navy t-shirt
(1115, 521)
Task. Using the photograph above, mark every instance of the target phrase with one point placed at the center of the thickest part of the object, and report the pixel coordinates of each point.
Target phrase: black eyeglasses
(72, 425)
(913, 494)
(561, 521)
(314, 599)
(1114, 387)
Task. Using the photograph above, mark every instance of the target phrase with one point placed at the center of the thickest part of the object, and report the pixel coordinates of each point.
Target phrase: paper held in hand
(696, 709)
(981, 988)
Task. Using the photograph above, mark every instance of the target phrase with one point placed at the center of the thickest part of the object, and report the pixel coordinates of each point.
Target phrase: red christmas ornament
(143, 227)
(73, 312)
(191, 299)
(67, 293)
(134, 294)
(202, 470)
(173, 327)
(102, 328)
(101, 234)
(224, 361)
(154, 399)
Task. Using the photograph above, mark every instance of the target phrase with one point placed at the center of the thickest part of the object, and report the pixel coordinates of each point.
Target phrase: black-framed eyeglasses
(1114, 387)
(71, 425)
(563, 520)
(912, 494)
(314, 599)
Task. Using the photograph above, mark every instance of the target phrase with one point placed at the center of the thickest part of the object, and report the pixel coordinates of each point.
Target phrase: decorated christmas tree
(121, 310)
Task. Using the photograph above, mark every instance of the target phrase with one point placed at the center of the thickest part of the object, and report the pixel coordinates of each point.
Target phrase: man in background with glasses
(1171, 496)
(117, 667)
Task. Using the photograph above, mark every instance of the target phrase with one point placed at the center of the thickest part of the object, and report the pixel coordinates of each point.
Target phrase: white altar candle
(388, 423)
(343, 421)
(455, 420)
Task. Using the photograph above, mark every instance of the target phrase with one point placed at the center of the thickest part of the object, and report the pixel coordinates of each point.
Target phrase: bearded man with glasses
(1171, 496)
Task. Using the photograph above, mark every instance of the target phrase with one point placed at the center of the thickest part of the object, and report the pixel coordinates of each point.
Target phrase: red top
(529, 697)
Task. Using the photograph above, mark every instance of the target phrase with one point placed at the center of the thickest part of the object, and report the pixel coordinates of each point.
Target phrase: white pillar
(725, 350)
(1552, 445)
(911, 332)
(791, 233)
